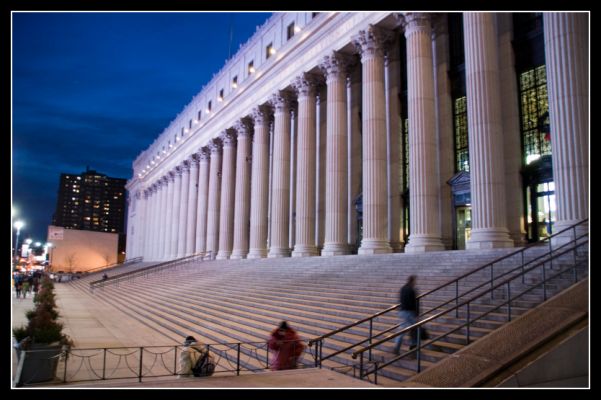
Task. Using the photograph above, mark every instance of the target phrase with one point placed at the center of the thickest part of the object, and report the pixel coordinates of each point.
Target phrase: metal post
(376, 373)
(371, 323)
(238, 360)
(508, 301)
(65, 372)
(544, 284)
(141, 354)
(550, 253)
(418, 348)
(523, 275)
(104, 364)
(175, 361)
(468, 324)
(361, 366)
(457, 298)
(320, 352)
(267, 357)
(491, 282)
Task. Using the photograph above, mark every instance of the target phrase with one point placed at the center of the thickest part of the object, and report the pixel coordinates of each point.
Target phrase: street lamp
(18, 225)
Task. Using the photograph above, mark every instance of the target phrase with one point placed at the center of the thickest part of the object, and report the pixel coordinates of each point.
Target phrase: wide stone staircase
(241, 301)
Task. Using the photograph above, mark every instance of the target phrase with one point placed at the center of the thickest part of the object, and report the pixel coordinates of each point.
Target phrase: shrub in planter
(44, 334)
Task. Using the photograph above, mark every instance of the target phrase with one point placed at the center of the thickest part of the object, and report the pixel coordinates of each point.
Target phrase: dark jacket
(408, 299)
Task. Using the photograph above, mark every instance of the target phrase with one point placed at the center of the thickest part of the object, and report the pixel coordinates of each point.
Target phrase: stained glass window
(462, 162)
(534, 114)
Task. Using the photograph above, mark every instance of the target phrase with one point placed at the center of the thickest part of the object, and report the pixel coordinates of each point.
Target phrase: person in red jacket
(287, 347)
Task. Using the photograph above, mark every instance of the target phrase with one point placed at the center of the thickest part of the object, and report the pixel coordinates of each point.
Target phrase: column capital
(417, 22)
(336, 64)
(228, 137)
(260, 114)
(137, 195)
(185, 166)
(306, 83)
(194, 160)
(168, 177)
(204, 154)
(440, 25)
(372, 41)
(243, 127)
(215, 146)
(281, 101)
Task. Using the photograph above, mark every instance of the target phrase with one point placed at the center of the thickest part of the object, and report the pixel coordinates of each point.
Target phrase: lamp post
(18, 225)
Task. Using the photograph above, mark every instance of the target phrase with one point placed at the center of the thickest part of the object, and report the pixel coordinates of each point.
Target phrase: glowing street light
(18, 225)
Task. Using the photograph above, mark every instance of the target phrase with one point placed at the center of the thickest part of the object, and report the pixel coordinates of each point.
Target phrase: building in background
(90, 201)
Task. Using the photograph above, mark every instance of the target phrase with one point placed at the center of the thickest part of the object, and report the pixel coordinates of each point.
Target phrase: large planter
(38, 364)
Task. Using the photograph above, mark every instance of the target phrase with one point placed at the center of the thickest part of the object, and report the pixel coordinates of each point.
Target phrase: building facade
(91, 201)
(373, 132)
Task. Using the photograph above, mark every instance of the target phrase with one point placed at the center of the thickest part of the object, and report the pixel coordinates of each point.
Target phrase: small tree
(43, 326)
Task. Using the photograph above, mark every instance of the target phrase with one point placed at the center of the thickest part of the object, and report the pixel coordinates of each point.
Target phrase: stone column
(443, 106)
(566, 46)
(213, 198)
(242, 197)
(392, 74)
(512, 147)
(280, 190)
(144, 245)
(487, 173)
(183, 210)
(305, 170)
(176, 205)
(204, 158)
(353, 90)
(165, 216)
(192, 205)
(228, 181)
(334, 67)
(259, 187)
(154, 223)
(423, 173)
(375, 214)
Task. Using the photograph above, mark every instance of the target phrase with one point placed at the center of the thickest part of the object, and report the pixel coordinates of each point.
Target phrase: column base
(223, 255)
(335, 249)
(374, 246)
(397, 247)
(238, 254)
(304, 251)
(257, 253)
(424, 243)
(489, 239)
(278, 252)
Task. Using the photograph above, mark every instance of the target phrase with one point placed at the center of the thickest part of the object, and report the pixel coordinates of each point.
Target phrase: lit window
(199, 115)
(291, 31)
(269, 50)
(251, 67)
(220, 98)
(235, 82)
(209, 106)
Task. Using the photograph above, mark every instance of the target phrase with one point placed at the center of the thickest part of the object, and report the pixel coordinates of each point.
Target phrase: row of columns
(217, 201)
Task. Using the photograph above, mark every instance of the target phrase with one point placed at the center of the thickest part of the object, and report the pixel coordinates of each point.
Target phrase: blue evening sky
(95, 89)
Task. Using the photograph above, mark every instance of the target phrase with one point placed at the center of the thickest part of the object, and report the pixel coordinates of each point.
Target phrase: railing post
(491, 281)
(550, 253)
(141, 355)
(104, 364)
(316, 356)
(267, 357)
(468, 324)
(65, 371)
(375, 373)
(508, 301)
(175, 360)
(457, 298)
(418, 349)
(523, 275)
(361, 366)
(238, 360)
(371, 323)
(544, 283)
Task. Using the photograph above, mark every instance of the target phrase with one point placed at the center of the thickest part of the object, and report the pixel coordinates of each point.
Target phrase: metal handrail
(152, 268)
(121, 264)
(578, 242)
(454, 281)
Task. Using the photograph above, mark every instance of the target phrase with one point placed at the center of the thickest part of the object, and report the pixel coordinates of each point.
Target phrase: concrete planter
(38, 364)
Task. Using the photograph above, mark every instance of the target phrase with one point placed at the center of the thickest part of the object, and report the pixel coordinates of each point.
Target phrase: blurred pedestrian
(408, 312)
(287, 347)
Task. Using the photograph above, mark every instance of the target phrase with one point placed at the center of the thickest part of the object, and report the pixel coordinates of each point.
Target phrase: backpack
(205, 365)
